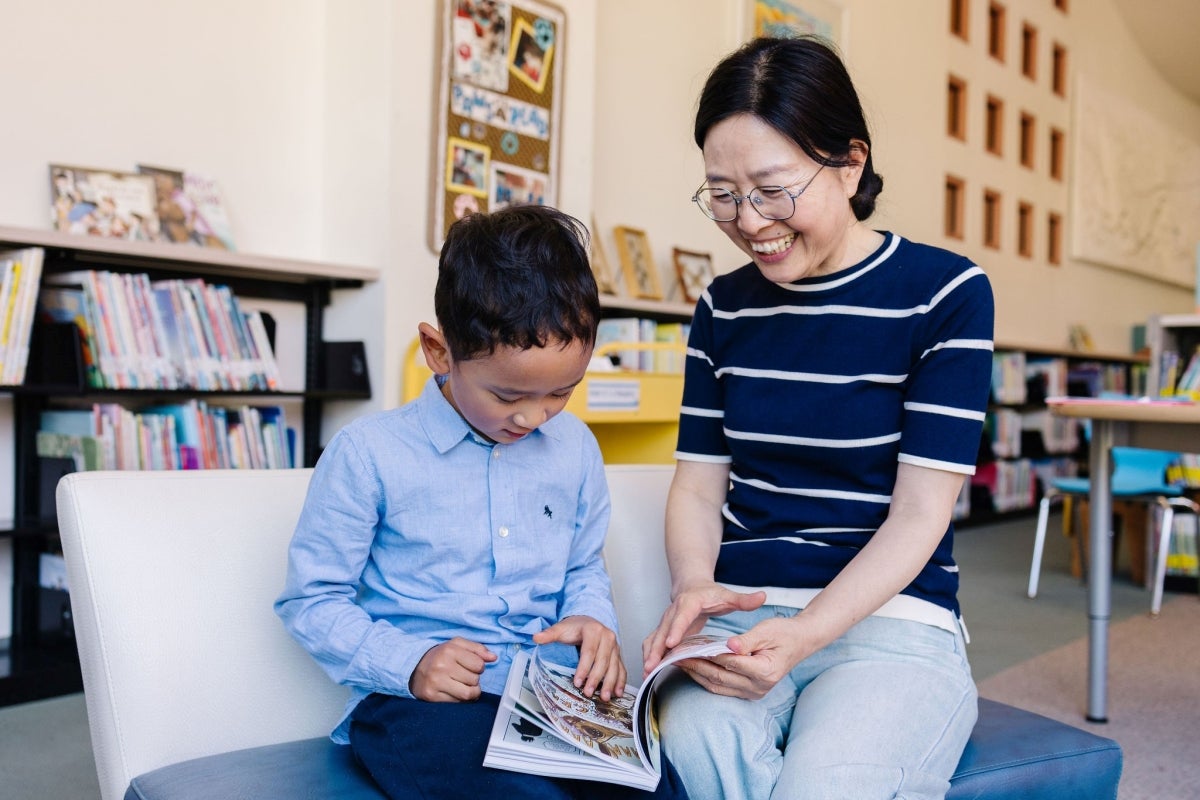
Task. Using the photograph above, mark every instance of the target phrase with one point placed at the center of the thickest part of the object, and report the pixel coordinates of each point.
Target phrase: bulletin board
(498, 108)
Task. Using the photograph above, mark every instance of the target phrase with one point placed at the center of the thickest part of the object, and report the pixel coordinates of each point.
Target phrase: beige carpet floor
(1153, 697)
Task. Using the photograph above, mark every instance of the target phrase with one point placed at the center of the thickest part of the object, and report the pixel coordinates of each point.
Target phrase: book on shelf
(1044, 377)
(546, 726)
(616, 330)
(675, 333)
(68, 304)
(1188, 384)
(1008, 377)
(1182, 556)
(99, 202)
(22, 273)
(168, 334)
(190, 208)
(187, 435)
(644, 331)
(1011, 485)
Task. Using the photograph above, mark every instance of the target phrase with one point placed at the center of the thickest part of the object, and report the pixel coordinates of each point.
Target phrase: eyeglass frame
(737, 199)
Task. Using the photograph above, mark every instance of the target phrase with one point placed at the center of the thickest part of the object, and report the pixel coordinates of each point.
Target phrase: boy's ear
(433, 345)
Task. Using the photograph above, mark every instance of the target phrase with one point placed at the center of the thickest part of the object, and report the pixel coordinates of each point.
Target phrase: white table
(1154, 424)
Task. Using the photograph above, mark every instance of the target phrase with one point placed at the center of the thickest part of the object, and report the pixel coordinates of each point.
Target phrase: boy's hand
(449, 672)
(600, 664)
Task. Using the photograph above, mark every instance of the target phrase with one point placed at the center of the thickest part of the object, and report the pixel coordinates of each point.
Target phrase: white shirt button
(495, 452)
(503, 531)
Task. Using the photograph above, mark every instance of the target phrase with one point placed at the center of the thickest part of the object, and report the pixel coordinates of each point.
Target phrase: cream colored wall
(899, 54)
(650, 66)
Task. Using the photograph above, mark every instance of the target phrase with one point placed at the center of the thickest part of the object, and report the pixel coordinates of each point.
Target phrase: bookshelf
(41, 660)
(1024, 446)
(1173, 339)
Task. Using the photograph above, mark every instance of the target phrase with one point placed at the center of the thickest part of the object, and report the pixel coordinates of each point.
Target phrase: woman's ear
(433, 345)
(852, 172)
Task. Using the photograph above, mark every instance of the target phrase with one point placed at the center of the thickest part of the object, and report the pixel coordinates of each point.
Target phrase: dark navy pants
(434, 751)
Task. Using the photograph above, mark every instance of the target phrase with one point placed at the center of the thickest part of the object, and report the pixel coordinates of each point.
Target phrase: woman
(833, 404)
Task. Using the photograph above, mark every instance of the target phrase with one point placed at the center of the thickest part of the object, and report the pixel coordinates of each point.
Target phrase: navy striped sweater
(813, 391)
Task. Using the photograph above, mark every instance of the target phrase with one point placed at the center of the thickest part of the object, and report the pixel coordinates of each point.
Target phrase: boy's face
(507, 395)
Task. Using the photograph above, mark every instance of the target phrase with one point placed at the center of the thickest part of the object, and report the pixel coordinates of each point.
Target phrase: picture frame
(637, 263)
(786, 18)
(513, 186)
(530, 55)
(467, 165)
(600, 264)
(694, 271)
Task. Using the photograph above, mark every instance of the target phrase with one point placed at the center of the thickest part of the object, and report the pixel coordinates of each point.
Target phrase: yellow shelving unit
(634, 415)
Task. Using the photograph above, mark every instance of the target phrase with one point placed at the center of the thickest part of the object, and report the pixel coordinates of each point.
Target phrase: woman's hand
(687, 614)
(763, 656)
(600, 665)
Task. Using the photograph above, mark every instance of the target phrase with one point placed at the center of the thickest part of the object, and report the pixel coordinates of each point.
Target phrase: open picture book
(545, 726)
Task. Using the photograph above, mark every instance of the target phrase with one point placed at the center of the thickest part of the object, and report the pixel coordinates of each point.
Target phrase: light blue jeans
(883, 712)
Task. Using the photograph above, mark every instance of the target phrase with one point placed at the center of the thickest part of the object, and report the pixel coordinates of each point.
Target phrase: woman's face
(742, 152)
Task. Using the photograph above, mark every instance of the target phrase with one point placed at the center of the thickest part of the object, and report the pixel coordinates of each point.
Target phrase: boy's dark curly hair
(519, 277)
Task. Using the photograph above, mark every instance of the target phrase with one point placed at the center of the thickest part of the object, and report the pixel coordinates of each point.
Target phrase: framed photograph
(783, 18)
(694, 271)
(467, 167)
(514, 186)
(637, 263)
(530, 54)
(97, 202)
(600, 266)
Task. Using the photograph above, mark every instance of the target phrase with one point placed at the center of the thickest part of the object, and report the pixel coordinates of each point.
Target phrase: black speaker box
(344, 368)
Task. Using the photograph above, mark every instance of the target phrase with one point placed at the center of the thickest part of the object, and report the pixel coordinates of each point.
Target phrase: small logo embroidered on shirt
(546, 510)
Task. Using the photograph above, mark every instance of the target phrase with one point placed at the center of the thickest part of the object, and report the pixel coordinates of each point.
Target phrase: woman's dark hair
(800, 87)
(519, 277)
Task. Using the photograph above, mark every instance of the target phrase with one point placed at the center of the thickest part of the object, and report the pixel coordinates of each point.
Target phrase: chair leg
(1160, 562)
(1163, 540)
(1039, 542)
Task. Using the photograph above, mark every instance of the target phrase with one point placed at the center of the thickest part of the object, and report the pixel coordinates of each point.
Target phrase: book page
(602, 727)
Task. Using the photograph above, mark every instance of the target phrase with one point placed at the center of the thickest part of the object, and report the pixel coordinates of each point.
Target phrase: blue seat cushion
(1015, 754)
(309, 768)
(1012, 755)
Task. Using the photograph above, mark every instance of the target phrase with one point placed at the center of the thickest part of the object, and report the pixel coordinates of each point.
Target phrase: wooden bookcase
(43, 663)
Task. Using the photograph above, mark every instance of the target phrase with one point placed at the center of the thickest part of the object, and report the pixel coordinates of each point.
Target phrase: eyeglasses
(771, 202)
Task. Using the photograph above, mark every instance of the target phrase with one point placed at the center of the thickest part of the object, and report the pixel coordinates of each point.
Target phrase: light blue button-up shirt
(416, 530)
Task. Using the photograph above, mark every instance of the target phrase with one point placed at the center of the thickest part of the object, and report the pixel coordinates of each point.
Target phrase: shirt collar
(446, 427)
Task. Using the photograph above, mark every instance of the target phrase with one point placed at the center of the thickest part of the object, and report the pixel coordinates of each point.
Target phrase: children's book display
(154, 204)
(546, 726)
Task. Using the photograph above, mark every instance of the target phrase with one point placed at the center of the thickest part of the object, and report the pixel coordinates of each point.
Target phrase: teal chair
(1138, 474)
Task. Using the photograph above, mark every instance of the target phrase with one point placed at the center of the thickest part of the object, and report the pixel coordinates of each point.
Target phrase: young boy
(440, 538)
